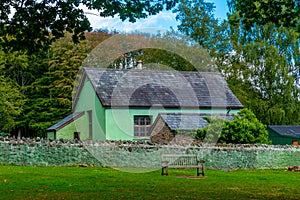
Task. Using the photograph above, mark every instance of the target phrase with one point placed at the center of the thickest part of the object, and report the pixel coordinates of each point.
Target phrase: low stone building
(178, 127)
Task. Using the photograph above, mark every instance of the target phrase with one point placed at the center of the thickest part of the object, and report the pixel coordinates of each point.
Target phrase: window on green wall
(142, 125)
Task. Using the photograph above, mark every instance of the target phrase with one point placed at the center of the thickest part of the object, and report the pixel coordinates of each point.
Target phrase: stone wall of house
(161, 133)
(143, 154)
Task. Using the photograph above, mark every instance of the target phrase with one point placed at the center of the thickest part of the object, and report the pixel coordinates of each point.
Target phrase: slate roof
(67, 120)
(150, 88)
(290, 131)
(188, 121)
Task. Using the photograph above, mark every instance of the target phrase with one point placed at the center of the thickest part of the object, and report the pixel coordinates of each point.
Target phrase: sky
(160, 22)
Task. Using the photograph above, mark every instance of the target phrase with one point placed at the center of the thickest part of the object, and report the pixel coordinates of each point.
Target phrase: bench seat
(181, 161)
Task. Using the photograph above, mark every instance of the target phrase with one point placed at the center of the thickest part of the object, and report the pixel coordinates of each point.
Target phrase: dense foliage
(259, 57)
(244, 129)
(11, 98)
(11, 104)
(271, 55)
(34, 25)
(169, 50)
(50, 94)
(281, 13)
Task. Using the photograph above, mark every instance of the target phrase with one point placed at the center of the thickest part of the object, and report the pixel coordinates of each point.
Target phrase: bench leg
(202, 170)
(167, 170)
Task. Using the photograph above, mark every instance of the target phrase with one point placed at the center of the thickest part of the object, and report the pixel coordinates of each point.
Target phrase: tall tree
(11, 99)
(256, 55)
(11, 104)
(198, 22)
(51, 93)
(266, 54)
(279, 13)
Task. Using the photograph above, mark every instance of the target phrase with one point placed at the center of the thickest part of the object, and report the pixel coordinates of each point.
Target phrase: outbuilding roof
(290, 131)
(166, 88)
(188, 121)
(64, 122)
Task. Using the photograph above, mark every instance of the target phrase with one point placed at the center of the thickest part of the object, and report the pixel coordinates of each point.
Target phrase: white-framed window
(142, 125)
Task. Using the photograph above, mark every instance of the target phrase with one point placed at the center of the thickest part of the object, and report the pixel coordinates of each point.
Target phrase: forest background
(43, 43)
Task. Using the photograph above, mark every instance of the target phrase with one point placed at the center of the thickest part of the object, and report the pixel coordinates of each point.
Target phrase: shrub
(4, 134)
(244, 129)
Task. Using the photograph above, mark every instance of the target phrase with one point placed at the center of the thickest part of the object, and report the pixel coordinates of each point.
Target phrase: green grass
(18, 182)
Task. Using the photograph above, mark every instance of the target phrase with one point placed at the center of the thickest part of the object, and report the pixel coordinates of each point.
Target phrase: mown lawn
(104, 183)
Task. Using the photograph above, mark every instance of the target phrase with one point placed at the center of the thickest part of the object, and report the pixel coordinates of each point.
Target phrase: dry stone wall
(39, 152)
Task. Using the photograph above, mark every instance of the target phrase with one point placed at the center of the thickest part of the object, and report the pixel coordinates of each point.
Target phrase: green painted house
(123, 104)
(283, 135)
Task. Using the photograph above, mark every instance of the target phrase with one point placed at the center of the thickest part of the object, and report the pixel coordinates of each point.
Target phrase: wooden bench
(181, 161)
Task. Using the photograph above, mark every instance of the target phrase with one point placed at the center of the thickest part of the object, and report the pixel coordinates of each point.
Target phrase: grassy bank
(104, 183)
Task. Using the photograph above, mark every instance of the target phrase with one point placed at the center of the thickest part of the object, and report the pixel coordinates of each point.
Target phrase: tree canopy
(33, 25)
(256, 51)
(265, 40)
(198, 22)
(282, 13)
(169, 50)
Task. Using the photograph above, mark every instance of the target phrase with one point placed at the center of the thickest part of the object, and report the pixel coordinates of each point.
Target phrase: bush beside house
(245, 128)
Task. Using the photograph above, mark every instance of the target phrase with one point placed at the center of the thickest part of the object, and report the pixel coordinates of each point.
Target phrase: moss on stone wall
(143, 154)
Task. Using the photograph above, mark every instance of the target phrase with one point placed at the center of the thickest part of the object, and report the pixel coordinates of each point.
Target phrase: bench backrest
(179, 159)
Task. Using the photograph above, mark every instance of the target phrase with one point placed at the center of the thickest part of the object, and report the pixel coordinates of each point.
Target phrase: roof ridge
(148, 70)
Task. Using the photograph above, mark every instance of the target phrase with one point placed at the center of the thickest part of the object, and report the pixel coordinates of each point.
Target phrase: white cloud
(160, 22)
